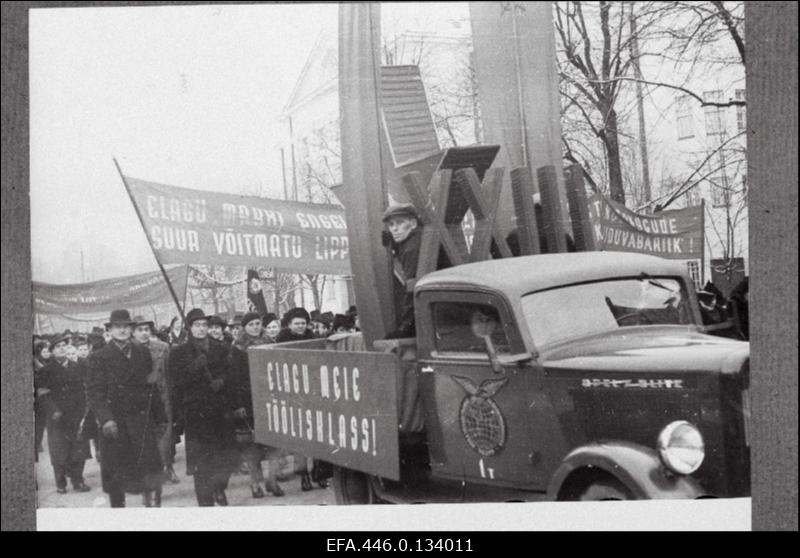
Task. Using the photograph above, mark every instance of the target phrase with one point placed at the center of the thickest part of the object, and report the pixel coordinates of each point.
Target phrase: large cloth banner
(198, 227)
(337, 406)
(675, 234)
(135, 291)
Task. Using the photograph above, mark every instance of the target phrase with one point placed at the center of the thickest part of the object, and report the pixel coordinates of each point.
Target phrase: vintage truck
(577, 376)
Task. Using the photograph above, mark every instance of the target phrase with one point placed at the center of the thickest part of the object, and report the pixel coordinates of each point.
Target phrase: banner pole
(160, 266)
(702, 242)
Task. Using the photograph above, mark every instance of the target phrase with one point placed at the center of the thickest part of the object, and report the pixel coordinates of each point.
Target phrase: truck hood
(649, 349)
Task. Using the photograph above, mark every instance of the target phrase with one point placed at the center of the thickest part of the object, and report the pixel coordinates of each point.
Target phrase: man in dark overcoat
(404, 236)
(64, 405)
(202, 391)
(129, 410)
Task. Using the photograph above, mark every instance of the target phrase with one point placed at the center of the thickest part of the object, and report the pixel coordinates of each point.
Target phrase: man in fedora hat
(129, 409)
(64, 406)
(202, 392)
(159, 350)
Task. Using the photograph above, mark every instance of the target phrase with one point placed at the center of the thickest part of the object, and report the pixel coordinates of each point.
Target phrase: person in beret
(129, 409)
(203, 397)
(159, 351)
(252, 334)
(296, 329)
(60, 382)
(272, 326)
(403, 236)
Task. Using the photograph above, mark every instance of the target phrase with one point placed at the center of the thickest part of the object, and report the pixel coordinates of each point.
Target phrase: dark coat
(240, 371)
(117, 389)
(206, 415)
(286, 336)
(405, 262)
(67, 396)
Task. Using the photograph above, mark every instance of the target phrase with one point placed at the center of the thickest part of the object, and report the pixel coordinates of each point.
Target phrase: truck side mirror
(500, 362)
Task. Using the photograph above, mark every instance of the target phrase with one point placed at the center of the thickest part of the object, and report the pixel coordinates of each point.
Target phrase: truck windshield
(576, 311)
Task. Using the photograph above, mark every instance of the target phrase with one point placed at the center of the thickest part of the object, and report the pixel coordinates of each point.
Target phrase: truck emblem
(482, 423)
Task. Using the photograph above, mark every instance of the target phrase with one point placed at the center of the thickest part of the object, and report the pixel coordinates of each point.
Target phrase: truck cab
(577, 376)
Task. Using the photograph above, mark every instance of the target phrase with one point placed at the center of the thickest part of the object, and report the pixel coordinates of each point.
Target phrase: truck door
(478, 421)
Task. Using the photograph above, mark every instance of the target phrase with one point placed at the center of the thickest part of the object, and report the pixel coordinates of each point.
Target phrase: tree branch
(703, 102)
(727, 19)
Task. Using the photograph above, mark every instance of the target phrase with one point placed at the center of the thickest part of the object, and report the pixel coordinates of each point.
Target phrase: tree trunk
(611, 140)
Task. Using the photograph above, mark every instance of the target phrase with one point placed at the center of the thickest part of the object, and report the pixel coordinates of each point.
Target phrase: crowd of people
(131, 391)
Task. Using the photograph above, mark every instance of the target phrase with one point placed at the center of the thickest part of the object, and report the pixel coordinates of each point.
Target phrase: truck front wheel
(352, 487)
(605, 489)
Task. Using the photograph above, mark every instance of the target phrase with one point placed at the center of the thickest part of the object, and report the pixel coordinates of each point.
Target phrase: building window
(741, 115)
(683, 117)
(693, 266)
(715, 116)
(719, 191)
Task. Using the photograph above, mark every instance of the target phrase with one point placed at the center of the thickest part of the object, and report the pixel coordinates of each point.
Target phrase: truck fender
(636, 466)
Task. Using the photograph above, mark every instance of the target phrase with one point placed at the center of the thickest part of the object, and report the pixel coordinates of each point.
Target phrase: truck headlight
(681, 447)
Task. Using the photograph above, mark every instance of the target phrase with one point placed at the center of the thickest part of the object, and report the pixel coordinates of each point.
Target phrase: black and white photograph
(359, 254)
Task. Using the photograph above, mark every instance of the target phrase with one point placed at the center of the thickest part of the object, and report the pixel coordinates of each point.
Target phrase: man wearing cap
(64, 407)
(321, 325)
(296, 329)
(159, 351)
(201, 387)
(129, 409)
(235, 325)
(404, 238)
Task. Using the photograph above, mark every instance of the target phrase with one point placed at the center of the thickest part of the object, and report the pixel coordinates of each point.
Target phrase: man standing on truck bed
(404, 237)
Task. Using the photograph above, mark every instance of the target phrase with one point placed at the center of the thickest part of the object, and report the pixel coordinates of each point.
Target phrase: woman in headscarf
(176, 335)
(41, 356)
(251, 335)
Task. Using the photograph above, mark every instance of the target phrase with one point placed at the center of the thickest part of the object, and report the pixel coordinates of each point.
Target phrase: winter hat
(296, 313)
(249, 317)
(194, 315)
(269, 317)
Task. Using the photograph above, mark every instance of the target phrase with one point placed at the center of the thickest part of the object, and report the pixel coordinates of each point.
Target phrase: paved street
(174, 495)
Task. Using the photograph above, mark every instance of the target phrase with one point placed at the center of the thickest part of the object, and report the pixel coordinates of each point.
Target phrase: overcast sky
(180, 95)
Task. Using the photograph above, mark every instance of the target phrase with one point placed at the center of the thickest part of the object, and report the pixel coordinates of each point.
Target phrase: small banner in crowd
(199, 227)
(337, 406)
(675, 234)
(255, 294)
(135, 291)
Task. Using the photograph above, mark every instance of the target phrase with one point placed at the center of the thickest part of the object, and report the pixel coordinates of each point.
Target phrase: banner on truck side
(336, 406)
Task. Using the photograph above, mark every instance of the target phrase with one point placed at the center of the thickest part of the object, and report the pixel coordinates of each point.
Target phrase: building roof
(525, 274)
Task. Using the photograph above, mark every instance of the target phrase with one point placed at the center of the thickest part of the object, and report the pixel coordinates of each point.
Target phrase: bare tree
(599, 58)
